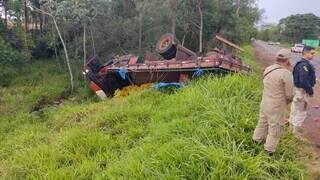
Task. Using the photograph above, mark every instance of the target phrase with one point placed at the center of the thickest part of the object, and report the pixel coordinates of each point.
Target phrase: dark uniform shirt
(304, 76)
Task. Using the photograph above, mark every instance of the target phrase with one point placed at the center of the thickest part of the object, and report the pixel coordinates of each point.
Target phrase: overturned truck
(170, 63)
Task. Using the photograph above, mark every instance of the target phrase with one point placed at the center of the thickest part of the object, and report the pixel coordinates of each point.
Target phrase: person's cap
(283, 54)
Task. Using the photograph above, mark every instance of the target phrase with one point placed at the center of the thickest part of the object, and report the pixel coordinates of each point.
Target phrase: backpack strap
(271, 71)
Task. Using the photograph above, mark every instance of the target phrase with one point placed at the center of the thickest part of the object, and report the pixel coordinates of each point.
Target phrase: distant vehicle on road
(271, 43)
(277, 43)
(297, 48)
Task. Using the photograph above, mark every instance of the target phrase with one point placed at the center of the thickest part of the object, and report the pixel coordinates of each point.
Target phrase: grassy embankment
(201, 131)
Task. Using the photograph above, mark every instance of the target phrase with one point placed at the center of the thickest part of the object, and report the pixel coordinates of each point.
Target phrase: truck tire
(167, 46)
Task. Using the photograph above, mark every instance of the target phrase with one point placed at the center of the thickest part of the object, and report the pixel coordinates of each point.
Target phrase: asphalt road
(295, 57)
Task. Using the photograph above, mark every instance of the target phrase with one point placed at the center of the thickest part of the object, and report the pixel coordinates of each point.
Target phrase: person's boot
(269, 153)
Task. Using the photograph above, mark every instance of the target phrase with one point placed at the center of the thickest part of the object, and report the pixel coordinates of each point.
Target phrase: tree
(49, 4)
(79, 12)
(238, 7)
(199, 5)
(36, 16)
(174, 8)
(154, 19)
(125, 26)
(297, 27)
(270, 33)
(5, 8)
(26, 17)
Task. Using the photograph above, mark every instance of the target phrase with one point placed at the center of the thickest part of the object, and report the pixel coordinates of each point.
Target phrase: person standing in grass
(277, 94)
(304, 80)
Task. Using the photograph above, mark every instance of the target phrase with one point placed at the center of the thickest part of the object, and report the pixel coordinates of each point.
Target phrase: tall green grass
(200, 132)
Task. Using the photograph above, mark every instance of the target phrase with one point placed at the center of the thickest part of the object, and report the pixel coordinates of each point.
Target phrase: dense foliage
(292, 29)
(115, 25)
(12, 63)
(74, 30)
(271, 33)
(301, 26)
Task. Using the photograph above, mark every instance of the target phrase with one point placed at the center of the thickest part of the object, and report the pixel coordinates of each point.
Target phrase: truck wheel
(167, 46)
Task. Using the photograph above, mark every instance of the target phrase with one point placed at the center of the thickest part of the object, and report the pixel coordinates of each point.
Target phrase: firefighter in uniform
(304, 80)
(277, 94)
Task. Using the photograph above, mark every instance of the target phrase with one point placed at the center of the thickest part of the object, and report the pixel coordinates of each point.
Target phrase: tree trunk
(84, 45)
(44, 22)
(76, 49)
(63, 44)
(5, 5)
(40, 17)
(219, 26)
(57, 59)
(93, 44)
(32, 23)
(183, 40)
(66, 53)
(174, 5)
(140, 32)
(36, 20)
(201, 27)
(173, 26)
(238, 7)
(25, 15)
(40, 22)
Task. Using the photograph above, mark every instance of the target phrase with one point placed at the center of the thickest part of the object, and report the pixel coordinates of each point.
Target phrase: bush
(17, 38)
(12, 63)
(42, 48)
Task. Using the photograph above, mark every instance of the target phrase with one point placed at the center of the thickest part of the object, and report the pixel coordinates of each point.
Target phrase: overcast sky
(278, 9)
